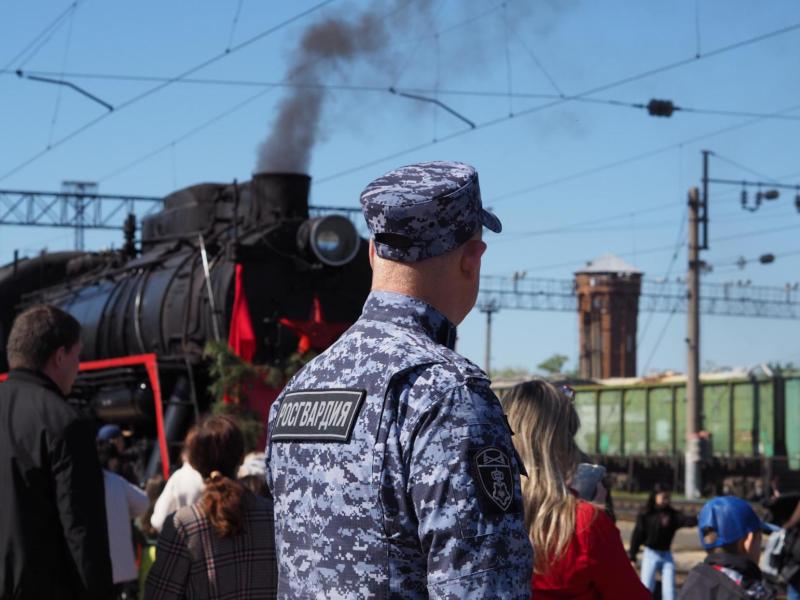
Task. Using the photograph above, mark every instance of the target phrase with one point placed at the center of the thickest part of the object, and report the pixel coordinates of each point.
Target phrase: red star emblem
(315, 333)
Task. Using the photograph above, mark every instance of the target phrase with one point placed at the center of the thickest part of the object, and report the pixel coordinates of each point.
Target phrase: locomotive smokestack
(280, 195)
(334, 43)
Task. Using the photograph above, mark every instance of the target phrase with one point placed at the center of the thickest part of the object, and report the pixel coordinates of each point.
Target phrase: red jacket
(594, 564)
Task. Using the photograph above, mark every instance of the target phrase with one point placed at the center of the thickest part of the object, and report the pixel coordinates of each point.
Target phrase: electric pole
(489, 308)
(693, 390)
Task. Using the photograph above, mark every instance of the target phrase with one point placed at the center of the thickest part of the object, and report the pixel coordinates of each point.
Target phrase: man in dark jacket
(53, 539)
(730, 531)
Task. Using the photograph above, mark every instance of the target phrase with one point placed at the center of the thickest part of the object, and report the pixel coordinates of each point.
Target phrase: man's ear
(56, 359)
(749, 540)
(372, 253)
(471, 254)
(59, 356)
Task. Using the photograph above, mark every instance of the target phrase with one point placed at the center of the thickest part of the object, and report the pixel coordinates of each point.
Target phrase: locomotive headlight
(333, 239)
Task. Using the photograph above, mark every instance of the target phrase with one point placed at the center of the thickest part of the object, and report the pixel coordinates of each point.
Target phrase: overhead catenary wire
(436, 84)
(681, 238)
(727, 263)
(165, 84)
(598, 221)
(739, 165)
(588, 92)
(517, 236)
(698, 46)
(233, 25)
(680, 244)
(662, 248)
(536, 61)
(57, 106)
(736, 113)
(509, 73)
(676, 249)
(183, 75)
(381, 89)
(44, 34)
(185, 135)
(578, 263)
(661, 334)
(636, 157)
(736, 214)
(221, 115)
(205, 124)
(435, 34)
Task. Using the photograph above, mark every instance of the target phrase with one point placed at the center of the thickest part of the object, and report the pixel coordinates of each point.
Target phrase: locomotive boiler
(220, 262)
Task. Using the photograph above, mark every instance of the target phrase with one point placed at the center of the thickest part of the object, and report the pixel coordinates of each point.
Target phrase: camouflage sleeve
(273, 411)
(464, 485)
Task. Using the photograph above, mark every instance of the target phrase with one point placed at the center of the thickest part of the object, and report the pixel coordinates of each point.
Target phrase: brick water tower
(608, 292)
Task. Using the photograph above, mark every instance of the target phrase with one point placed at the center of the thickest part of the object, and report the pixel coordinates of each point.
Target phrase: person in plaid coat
(223, 546)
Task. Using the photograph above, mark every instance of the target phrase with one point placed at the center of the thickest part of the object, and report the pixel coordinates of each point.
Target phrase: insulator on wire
(660, 108)
(771, 195)
(765, 259)
(755, 205)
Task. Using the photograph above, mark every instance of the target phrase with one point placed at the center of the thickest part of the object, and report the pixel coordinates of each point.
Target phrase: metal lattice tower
(80, 207)
(76, 192)
(738, 299)
(76, 207)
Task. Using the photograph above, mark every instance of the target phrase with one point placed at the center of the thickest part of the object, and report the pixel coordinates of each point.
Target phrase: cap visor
(490, 221)
(769, 527)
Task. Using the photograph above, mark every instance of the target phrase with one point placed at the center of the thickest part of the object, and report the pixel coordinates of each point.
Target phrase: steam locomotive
(217, 260)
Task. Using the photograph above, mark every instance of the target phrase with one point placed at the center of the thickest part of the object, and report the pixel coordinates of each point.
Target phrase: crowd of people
(391, 470)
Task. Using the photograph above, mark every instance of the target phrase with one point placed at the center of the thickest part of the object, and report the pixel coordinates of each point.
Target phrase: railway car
(240, 263)
(636, 427)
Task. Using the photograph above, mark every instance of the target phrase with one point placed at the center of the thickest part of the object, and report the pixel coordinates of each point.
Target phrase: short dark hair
(658, 488)
(37, 333)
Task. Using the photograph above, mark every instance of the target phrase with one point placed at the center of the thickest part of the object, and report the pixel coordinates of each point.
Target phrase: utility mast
(694, 400)
(77, 192)
(490, 307)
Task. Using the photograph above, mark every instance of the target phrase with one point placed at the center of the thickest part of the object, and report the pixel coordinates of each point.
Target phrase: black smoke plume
(324, 47)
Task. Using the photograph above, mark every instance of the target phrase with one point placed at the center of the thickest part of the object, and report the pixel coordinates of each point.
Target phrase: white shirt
(124, 502)
(184, 488)
(253, 464)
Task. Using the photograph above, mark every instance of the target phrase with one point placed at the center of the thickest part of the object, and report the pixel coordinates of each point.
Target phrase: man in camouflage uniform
(389, 458)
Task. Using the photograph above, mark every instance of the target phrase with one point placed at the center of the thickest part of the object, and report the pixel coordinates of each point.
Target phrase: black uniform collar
(410, 312)
(36, 378)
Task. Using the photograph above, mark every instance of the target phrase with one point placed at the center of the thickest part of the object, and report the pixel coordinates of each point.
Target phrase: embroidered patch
(491, 468)
(318, 416)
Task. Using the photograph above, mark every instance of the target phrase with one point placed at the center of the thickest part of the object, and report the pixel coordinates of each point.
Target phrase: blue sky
(543, 169)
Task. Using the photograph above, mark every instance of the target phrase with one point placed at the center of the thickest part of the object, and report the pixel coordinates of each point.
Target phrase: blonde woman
(577, 549)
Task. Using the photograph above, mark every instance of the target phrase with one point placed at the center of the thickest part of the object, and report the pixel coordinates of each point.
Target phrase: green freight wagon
(636, 427)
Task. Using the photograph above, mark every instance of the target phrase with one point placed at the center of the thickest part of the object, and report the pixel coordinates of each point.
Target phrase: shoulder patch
(494, 479)
(317, 416)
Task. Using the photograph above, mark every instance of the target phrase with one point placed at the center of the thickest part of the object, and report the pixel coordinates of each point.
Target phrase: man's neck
(53, 375)
(438, 301)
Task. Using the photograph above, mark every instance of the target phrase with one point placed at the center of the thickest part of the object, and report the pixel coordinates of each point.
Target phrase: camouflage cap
(424, 210)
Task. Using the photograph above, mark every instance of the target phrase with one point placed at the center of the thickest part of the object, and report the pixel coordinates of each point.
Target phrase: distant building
(608, 292)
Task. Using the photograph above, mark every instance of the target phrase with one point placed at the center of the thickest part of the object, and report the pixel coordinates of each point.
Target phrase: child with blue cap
(730, 531)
